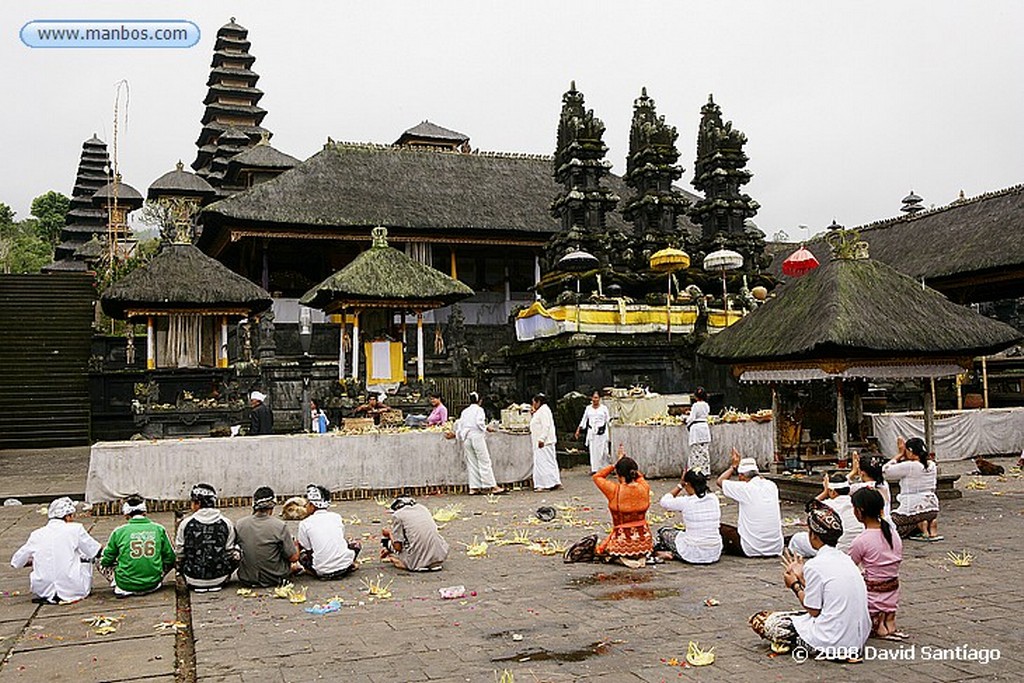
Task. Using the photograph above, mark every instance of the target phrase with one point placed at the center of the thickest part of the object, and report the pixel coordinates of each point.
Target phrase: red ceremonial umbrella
(800, 262)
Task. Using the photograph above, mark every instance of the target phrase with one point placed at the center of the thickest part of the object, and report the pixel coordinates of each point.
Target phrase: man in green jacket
(138, 554)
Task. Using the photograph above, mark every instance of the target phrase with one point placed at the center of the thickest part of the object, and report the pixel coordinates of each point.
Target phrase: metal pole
(668, 306)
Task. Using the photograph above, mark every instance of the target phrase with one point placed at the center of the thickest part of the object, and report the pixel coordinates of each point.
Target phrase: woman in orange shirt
(630, 541)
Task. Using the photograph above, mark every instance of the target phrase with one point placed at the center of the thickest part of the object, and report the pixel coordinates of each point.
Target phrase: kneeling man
(413, 542)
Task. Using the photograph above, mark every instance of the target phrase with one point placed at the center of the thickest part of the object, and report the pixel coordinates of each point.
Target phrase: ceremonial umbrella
(577, 261)
(800, 262)
(668, 261)
(723, 260)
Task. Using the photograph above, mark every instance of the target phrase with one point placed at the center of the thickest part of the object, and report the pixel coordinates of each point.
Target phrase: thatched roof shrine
(385, 276)
(857, 310)
(182, 278)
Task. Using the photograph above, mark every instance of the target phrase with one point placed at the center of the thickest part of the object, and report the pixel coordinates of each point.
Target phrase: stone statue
(267, 344)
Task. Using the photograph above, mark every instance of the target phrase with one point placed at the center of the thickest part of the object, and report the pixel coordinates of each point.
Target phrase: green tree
(21, 248)
(51, 211)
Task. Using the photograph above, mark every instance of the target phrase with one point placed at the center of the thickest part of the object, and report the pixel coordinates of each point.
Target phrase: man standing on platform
(261, 418)
(758, 533)
(268, 549)
(595, 420)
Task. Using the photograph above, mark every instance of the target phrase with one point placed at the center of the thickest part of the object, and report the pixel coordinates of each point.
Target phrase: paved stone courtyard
(526, 616)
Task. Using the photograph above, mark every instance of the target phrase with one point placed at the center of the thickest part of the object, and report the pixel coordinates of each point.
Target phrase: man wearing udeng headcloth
(205, 542)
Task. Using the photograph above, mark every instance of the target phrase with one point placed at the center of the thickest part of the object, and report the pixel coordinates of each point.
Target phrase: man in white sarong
(471, 429)
(596, 419)
(543, 438)
(61, 555)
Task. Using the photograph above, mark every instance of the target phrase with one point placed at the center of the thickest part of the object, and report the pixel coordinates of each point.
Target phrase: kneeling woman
(916, 516)
(701, 543)
(629, 497)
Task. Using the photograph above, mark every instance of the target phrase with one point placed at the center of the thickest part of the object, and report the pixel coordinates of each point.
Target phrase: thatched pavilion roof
(180, 277)
(971, 249)
(858, 309)
(348, 186)
(385, 276)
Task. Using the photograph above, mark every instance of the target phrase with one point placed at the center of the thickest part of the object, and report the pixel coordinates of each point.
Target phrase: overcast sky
(847, 105)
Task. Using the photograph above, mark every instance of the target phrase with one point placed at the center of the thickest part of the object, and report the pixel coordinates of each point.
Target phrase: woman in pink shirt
(878, 551)
(439, 415)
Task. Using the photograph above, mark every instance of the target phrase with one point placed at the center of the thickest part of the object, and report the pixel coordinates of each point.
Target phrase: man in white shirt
(61, 555)
(471, 429)
(758, 532)
(596, 419)
(835, 494)
(831, 590)
(324, 552)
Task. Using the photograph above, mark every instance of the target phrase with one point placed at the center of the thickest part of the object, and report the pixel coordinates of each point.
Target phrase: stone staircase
(45, 336)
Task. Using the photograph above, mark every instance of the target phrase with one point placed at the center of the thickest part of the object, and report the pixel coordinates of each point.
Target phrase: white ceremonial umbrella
(723, 260)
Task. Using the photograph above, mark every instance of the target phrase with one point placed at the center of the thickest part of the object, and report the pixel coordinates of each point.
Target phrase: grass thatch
(263, 155)
(348, 185)
(182, 277)
(386, 274)
(858, 309)
(973, 235)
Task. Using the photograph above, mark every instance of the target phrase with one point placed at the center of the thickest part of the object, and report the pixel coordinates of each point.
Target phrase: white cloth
(597, 444)
(958, 435)
(917, 486)
(852, 527)
(697, 423)
(56, 552)
(478, 461)
(701, 543)
(760, 521)
(381, 360)
(834, 585)
(542, 427)
(545, 467)
(882, 487)
(323, 533)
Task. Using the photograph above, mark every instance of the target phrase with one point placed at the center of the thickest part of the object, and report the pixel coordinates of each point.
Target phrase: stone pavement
(37, 475)
(529, 617)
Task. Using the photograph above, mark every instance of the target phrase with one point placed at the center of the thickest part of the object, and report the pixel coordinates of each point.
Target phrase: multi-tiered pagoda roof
(84, 220)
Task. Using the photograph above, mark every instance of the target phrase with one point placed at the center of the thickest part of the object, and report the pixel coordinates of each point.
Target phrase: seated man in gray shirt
(413, 542)
(268, 548)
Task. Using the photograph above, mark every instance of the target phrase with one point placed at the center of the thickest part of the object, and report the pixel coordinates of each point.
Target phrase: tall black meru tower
(232, 120)
(719, 174)
(84, 219)
(655, 207)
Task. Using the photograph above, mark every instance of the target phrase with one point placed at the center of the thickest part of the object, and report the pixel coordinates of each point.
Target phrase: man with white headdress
(412, 541)
(758, 532)
(261, 418)
(323, 550)
(138, 554)
(836, 494)
(61, 555)
(829, 586)
(205, 543)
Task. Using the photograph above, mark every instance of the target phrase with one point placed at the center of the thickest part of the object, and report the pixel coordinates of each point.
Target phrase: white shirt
(760, 522)
(472, 421)
(697, 422)
(852, 526)
(701, 543)
(323, 532)
(882, 487)
(593, 419)
(834, 585)
(917, 486)
(542, 427)
(56, 552)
